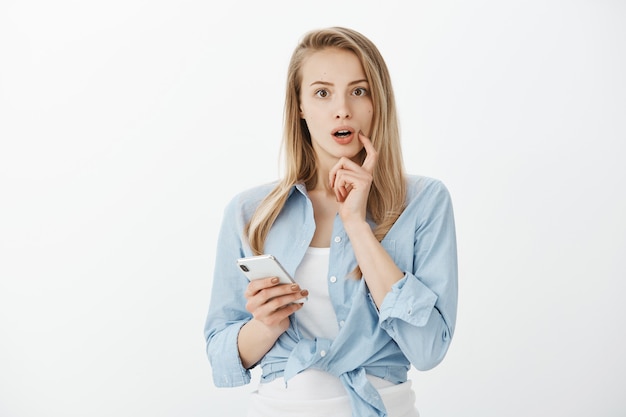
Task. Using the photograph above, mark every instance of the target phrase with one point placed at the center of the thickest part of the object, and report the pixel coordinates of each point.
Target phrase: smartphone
(263, 266)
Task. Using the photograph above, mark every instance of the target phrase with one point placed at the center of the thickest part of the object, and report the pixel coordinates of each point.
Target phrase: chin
(357, 155)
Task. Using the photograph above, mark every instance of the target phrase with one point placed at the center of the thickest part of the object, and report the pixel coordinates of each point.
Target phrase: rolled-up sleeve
(410, 301)
(227, 313)
(419, 313)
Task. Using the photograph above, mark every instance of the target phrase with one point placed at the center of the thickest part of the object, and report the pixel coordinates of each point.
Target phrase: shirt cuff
(409, 300)
(228, 371)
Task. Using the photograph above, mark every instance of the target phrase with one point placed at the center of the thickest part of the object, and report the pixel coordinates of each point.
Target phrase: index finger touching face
(372, 154)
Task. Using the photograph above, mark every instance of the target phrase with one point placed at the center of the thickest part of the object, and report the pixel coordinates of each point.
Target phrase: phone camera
(244, 268)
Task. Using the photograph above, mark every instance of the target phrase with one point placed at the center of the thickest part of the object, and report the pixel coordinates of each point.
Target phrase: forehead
(332, 65)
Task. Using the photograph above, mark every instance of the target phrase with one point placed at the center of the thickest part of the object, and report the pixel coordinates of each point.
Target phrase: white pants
(302, 398)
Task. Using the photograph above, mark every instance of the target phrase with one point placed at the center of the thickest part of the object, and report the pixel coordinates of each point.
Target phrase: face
(335, 101)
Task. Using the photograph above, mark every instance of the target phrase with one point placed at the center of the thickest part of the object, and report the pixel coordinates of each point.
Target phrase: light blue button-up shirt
(416, 319)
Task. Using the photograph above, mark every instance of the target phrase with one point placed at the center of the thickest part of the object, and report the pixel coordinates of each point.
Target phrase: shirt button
(323, 353)
(337, 239)
(341, 323)
(333, 279)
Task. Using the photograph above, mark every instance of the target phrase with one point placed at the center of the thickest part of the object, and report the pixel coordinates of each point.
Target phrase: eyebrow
(327, 83)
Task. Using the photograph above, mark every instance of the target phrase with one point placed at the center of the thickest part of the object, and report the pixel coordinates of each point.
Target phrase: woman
(372, 248)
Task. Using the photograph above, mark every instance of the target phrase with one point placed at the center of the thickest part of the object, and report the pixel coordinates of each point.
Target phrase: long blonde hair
(388, 192)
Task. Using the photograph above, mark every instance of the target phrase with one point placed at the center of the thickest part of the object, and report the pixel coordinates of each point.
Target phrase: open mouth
(342, 133)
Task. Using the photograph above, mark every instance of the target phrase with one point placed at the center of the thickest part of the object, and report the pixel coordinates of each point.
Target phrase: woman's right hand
(271, 303)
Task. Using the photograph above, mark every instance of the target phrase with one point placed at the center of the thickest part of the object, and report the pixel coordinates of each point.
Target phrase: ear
(301, 113)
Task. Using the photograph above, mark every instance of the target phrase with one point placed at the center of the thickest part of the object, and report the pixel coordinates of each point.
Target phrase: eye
(321, 93)
(360, 92)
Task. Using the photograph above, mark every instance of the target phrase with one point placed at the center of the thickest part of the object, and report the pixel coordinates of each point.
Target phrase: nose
(342, 110)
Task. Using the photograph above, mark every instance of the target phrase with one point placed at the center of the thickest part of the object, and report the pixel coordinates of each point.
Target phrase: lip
(343, 140)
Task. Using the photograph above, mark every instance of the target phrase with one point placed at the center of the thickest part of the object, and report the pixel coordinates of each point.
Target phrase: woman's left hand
(352, 182)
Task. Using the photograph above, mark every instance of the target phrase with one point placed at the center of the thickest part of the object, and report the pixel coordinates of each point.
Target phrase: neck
(322, 188)
(323, 182)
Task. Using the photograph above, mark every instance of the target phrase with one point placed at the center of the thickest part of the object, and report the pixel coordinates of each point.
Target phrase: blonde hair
(388, 191)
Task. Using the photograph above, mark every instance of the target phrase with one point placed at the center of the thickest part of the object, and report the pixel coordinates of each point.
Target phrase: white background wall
(126, 126)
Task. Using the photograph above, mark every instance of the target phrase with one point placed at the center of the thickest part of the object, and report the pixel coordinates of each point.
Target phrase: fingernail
(304, 293)
(294, 287)
(274, 280)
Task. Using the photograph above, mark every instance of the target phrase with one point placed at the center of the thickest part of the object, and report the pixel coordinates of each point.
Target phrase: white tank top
(317, 317)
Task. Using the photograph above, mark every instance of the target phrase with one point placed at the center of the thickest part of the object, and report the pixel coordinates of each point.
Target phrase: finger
(257, 298)
(350, 180)
(277, 303)
(371, 154)
(338, 194)
(266, 294)
(339, 185)
(280, 314)
(343, 193)
(258, 302)
(343, 164)
(332, 174)
(257, 285)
